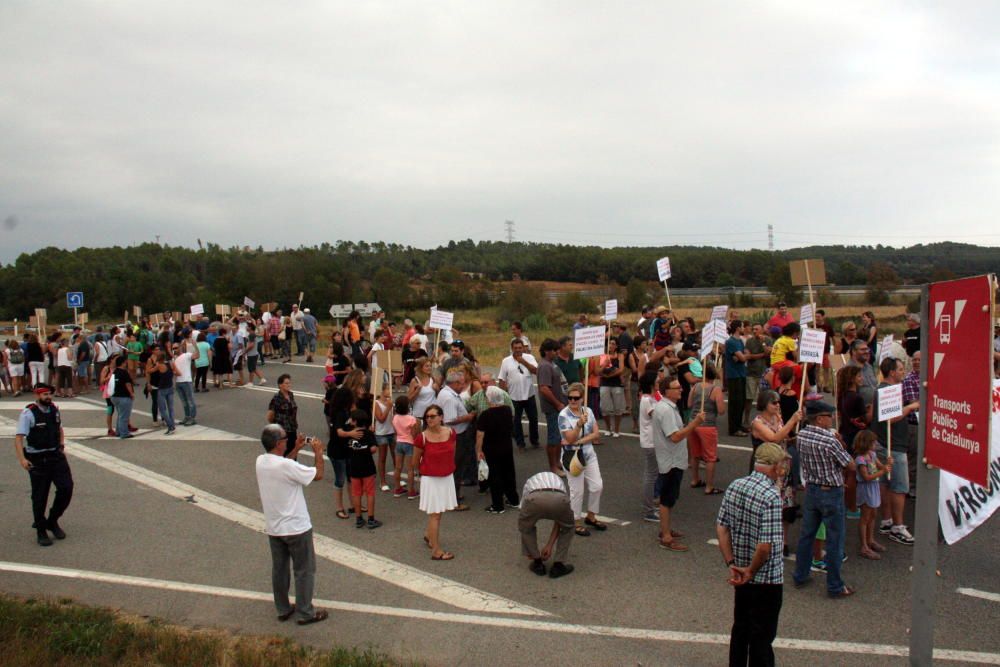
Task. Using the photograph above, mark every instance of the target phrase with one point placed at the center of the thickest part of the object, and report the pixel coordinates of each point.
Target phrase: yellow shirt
(781, 348)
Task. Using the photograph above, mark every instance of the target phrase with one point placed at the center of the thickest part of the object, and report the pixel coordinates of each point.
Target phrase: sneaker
(901, 535)
(399, 492)
(373, 523)
(170, 431)
(385, 488)
(513, 506)
(43, 539)
(607, 433)
(616, 434)
(492, 510)
(263, 380)
(651, 517)
(359, 522)
(856, 514)
(112, 432)
(818, 566)
(412, 495)
(57, 532)
(885, 527)
(132, 429)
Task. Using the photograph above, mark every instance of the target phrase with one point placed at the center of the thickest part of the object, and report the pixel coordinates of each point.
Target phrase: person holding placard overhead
(898, 482)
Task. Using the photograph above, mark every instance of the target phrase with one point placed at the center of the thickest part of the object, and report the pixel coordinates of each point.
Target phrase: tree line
(159, 277)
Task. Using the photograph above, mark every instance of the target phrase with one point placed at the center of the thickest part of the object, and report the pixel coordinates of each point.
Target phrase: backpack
(16, 356)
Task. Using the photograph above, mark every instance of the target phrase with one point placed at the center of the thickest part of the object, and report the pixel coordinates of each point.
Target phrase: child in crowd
(406, 427)
(385, 434)
(868, 494)
(361, 469)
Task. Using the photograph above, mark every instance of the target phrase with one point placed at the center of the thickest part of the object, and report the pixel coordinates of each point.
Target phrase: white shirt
(453, 408)
(63, 358)
(182, 367)
(520, 383)
(543, 480)
(280, 481)
(423, 341)
(646, 404)
(667, 421)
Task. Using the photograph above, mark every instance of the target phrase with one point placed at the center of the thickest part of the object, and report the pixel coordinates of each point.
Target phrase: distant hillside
(162, 277)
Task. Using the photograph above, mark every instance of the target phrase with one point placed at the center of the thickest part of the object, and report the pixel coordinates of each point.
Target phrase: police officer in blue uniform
(40, 443)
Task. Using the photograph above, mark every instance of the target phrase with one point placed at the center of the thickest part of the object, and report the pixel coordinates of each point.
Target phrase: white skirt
(437, 494)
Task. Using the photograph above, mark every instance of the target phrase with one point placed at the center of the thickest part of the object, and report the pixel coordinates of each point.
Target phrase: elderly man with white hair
(457, 416)
(493, 431)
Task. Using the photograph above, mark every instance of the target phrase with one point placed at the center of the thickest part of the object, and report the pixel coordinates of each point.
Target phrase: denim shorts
(339, 472)
(899, 482)
(385, 440)
(404, 448)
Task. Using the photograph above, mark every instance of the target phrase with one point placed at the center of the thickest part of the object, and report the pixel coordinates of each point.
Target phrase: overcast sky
(640, 123)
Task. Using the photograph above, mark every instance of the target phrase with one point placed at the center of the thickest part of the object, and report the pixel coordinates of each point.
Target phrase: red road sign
(959, 359)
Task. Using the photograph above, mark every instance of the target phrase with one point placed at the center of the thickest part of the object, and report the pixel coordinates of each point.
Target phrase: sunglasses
(574, 398)
(433, 414)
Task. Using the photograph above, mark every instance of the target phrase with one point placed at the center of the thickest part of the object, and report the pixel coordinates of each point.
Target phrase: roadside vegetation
(36, 633)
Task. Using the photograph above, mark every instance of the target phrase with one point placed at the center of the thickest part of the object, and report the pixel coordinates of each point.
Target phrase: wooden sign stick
(668, 297)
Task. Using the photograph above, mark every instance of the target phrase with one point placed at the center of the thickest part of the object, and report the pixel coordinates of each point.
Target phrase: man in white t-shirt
(299, 329)
(516, 378)
(182, 373)
(287, 523)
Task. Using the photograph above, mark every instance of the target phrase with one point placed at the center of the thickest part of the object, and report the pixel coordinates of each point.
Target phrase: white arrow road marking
(388, 570)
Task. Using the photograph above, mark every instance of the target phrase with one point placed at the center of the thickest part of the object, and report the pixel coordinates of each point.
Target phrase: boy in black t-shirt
(361, 468)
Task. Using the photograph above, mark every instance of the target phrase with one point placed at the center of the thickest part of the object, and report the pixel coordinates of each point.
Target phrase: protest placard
(890, 402)
(137, 311)
(663, 269)
(707, 339)
(812, 346)
(588, 342)
(885, 348)
(441, 319)
(719, 312)
(248, 302)
(721, 333)
(610, 310)
(198, 309)
(806, 315)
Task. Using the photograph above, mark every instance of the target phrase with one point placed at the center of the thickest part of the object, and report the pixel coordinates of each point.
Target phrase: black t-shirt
(122, 379)
(615, 381)
(341, 363)
(362, 463)
(338, 448)
(911, 341)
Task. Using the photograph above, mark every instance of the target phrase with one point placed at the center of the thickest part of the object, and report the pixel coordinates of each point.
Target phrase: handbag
(574, 461)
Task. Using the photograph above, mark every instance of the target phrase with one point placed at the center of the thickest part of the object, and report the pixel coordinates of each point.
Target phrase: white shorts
(16, 370)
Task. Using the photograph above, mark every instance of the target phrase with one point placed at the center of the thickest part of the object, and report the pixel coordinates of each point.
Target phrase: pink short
(363, 486)
(703, 443)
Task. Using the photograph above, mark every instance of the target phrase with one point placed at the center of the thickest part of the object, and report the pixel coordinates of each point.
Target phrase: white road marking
(984, 595)
(501, 622)
(388, 570)
(274, 390)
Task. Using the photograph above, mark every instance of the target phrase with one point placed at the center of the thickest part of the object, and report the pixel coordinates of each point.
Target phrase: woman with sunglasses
(768, 426)
(579, 431)
(434, 454)
(869, 334)
(421, 392)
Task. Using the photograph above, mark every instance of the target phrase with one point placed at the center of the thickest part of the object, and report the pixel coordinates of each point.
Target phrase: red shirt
(778, 321)
(439, 457)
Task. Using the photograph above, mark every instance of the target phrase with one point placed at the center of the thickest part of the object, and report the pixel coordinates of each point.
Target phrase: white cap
(305, 310)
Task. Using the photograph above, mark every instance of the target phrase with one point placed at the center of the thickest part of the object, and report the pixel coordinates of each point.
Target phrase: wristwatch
(731, 562)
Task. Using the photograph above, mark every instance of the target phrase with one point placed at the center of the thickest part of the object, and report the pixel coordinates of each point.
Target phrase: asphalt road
(169, 526)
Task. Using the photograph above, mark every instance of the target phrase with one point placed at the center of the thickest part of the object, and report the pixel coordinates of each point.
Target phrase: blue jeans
(165, 399)
(186, 392)
(123, 408)
(826, 507)
(300, 342)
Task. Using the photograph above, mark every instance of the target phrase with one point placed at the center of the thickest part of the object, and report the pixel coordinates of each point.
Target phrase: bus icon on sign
(944, 329)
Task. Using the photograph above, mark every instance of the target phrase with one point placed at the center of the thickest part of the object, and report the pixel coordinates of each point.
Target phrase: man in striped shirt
(545, 497)
(823, 459)
(751, 542)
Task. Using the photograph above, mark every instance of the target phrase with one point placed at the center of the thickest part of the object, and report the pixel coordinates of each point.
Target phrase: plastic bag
(484, 470)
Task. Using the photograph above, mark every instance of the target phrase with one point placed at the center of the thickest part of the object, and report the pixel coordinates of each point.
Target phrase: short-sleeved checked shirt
(822, 457)
(751, 509)
(911, 393)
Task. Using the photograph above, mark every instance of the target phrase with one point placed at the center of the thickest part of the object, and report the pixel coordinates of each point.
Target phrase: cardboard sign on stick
(663, 269)
(707, 339)
(441, 319)
(890, 402)
(198, 309)
(248, 302)
(807, 272)
(838, 361)
(588, 342)
(721, 334)
(719, 312)
(806, 315)
(137, 311)
(885, 348)
(610, 310)
(812, 346)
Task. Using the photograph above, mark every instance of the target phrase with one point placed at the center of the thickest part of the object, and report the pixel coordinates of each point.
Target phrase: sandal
(320, 615)
(713, 492)
(341, 514)
(698, 485)
(597, 525)
(581, 531)
(673, 545)
(444, 555)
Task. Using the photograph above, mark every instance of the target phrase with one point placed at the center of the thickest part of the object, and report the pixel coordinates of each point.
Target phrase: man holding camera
(287, 522)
